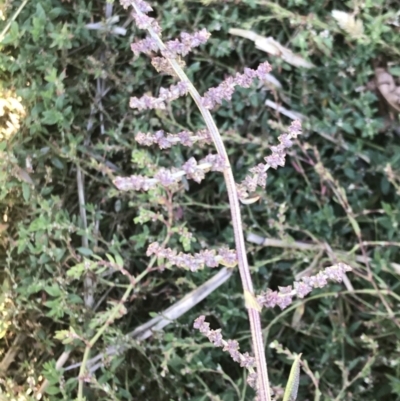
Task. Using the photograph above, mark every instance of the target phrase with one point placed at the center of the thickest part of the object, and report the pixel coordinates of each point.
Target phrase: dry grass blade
(257, 239)
(271, 46)
(348, 23)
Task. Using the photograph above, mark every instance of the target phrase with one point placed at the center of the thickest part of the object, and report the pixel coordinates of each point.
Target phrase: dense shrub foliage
(67, 231)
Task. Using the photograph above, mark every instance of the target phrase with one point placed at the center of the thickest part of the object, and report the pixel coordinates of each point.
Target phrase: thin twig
(12, 19)
(305, 246)
(10, 355)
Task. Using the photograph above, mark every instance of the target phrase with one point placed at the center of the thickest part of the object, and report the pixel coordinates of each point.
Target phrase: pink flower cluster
(207, 257)
(279, 152)
(225, 90)
(168, 177)
(141, 5)
(187, 42)
(165, 141)
(143, 21)
(284, 297)
(166, 95)
(230, 346)
(277, 158)
(181, 46)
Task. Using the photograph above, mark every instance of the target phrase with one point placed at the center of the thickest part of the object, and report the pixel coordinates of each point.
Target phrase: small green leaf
(355, 225)
(85, 251)
(53, 290)
(119, 260)
(292, 385)
(51, 117)
(26, 191)
(52, 390)
(38, 224)
(76, 271)
(61, 335)
(110, 258)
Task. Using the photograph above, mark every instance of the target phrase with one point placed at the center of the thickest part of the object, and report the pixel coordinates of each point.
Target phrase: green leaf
(53, 290)
(40, 223)
(51, 117)
(119, 260)
(110, 258)
(292, 385)
(52, 390)
(57, 163)
(76, 271)
(40, 11)
(26, 191)
(85, 251)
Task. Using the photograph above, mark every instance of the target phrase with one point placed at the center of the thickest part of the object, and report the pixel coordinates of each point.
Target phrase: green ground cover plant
(74, 246)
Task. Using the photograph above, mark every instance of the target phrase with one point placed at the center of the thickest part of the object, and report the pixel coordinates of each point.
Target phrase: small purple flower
(209, 258)
(231, 346)
(285, 140)
(218, 162)
(146, 46)
(302, 289)
(225, 90)
(185, 138)
(275, 160)
(201, 324)
(153, 249)
(263, 70)
(228, 256)
(284, 296)
(162, 140)
(142, 5)
(247, 361)
(165, 177)
(134, 182)
(252, 380)
(215, 337)
(193, 171)
(268, 299)
(145, 22)
(295, 128)
(320, 280)
(144, 139)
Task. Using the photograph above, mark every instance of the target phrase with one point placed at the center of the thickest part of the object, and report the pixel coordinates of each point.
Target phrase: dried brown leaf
(388, 88)
(348, 23)
(271, 46)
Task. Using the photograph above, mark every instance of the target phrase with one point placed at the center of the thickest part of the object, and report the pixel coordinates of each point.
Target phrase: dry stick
(247, 284)
(89, 282)
(12, 19)
(157, 323)
(10, 355)
(257, 239)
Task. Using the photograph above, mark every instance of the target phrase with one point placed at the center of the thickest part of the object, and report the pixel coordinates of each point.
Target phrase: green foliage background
(350, 339)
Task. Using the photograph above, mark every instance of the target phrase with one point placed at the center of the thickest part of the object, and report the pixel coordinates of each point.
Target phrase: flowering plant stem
(247, 284)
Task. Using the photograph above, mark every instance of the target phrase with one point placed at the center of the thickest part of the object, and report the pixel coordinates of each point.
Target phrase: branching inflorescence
(171, 63)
